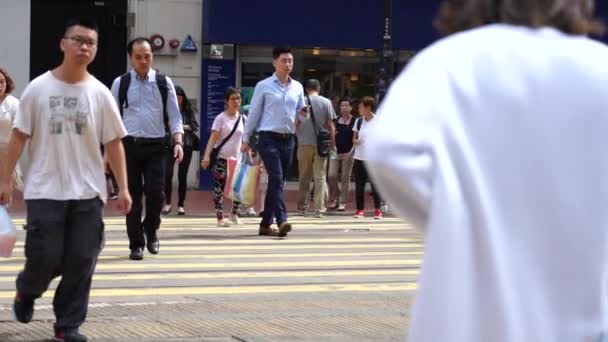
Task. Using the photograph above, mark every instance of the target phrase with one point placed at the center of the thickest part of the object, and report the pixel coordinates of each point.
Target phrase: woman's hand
(205, 163)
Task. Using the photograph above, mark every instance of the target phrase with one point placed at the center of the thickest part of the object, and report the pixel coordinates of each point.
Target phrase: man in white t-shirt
(66, 114)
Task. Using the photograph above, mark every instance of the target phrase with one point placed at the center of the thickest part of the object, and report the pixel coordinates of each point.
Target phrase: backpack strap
(123, 102)
(359, 123)
(161, 83)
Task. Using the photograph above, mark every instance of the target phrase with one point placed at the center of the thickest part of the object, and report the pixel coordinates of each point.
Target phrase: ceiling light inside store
(354, 77)
(311, 70)
(316, 51)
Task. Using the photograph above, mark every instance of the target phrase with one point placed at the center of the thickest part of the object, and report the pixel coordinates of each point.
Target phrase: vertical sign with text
(217, 75)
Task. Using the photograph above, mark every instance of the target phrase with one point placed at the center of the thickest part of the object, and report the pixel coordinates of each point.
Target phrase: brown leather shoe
(267, 231)
(284, 228)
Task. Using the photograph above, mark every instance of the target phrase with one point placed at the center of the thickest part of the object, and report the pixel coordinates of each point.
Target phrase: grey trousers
(63, 239)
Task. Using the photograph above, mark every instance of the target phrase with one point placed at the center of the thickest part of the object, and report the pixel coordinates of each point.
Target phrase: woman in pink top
(221, 130)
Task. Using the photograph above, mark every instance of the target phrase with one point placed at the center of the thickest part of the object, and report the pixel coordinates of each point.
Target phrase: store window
(342, 73)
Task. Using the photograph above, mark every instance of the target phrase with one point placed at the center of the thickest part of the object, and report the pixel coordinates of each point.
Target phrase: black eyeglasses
(82, 40)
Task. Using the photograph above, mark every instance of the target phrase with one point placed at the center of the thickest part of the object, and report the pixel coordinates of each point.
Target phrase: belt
(143, 141)
(275, 135)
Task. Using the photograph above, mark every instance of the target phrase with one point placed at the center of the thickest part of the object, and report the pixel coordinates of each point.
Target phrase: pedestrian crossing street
(333, 254)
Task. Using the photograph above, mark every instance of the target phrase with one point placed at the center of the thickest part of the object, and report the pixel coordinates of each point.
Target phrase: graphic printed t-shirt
(67, 124)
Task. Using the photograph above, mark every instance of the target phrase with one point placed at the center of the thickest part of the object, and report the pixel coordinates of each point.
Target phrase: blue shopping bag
(8, 233)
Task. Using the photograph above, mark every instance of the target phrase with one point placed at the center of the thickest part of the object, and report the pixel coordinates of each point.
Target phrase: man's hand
(178, 153)
(124, 201)
(245, 148)
(6, 193)
(305, 111)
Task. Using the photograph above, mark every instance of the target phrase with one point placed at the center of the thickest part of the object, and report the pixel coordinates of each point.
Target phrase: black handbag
(215, 152)
(323, 135)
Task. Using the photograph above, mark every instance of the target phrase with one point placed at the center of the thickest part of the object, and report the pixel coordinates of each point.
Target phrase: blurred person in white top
(497, 143)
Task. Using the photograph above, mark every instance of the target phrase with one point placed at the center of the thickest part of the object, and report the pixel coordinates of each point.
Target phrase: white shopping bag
(8, 234)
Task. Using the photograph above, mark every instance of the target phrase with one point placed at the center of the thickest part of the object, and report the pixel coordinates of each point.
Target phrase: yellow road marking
(130, 266)
(293, 219)
(232, 290)
(243, 275)
(243, 256)
(272, 247)
(277, 241)
(213, 228)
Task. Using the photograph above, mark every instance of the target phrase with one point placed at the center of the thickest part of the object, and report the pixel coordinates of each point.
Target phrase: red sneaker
(377, 214)
(359, 214)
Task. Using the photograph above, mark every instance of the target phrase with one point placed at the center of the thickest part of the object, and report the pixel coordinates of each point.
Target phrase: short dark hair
(569, 16)
(10, 85)
(345, 99)
(313, 84)
(81, 21)
(279, 50)
(231, 91)
(369, 102)
(137, 40)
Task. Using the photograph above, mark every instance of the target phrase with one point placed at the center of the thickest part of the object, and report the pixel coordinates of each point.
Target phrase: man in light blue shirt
(272, 113)
(148, 142)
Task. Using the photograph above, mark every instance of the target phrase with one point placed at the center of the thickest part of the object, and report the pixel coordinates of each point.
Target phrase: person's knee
(44, 248)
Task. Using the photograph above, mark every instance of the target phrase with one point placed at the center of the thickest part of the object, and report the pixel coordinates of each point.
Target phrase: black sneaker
(69, 336)
(23, 308)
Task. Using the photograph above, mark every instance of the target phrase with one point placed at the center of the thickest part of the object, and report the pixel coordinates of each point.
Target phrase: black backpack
(161, 83)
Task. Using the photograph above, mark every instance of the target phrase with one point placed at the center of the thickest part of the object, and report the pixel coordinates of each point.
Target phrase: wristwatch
(179, 143)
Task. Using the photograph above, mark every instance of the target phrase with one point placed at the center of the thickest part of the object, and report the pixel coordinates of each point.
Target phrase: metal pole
(386, 70)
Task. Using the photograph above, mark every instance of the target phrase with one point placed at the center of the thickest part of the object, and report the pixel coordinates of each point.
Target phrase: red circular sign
(174, 43)
(158, 42)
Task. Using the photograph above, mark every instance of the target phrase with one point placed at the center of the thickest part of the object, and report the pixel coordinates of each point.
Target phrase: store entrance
(48, 19)
(342, 73)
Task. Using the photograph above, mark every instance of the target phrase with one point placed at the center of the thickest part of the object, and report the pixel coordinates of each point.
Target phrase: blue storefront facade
(335, 41)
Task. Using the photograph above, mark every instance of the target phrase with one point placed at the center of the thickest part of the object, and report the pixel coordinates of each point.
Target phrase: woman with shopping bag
(224, 144)
(8, 110)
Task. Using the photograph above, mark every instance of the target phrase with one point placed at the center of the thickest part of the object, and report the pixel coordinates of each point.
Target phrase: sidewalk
(198, 203)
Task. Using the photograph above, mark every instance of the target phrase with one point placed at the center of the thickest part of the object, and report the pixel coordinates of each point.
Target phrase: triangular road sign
(188, 45)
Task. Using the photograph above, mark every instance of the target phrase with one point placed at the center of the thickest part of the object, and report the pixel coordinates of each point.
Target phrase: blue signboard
(217, 75)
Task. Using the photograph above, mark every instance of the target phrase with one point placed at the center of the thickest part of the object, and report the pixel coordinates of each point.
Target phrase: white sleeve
(26, 112)
(112, 126)
(400, 140)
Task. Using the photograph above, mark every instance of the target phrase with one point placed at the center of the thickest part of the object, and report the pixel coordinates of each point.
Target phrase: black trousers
(361, 178)
(146, 176)
(63, 238)
(182, 177)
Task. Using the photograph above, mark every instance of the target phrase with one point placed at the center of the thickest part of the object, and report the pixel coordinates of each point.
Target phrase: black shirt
(344, 135)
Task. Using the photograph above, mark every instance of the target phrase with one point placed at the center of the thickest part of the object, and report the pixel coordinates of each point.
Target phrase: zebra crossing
(336, 259)
(321, 254)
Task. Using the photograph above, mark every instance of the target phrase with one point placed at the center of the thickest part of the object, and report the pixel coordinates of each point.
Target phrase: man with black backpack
(150, 113)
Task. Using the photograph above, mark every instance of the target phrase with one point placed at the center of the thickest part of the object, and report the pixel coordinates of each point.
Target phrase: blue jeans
(276, 153)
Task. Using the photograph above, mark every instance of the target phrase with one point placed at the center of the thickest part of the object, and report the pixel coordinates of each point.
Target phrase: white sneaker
(247, 212)
(235, 219)
(384, 208)
(223, 224)
(341, 207)
(166, 209)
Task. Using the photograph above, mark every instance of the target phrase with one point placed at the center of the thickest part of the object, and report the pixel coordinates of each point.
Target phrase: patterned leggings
(220, 172)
